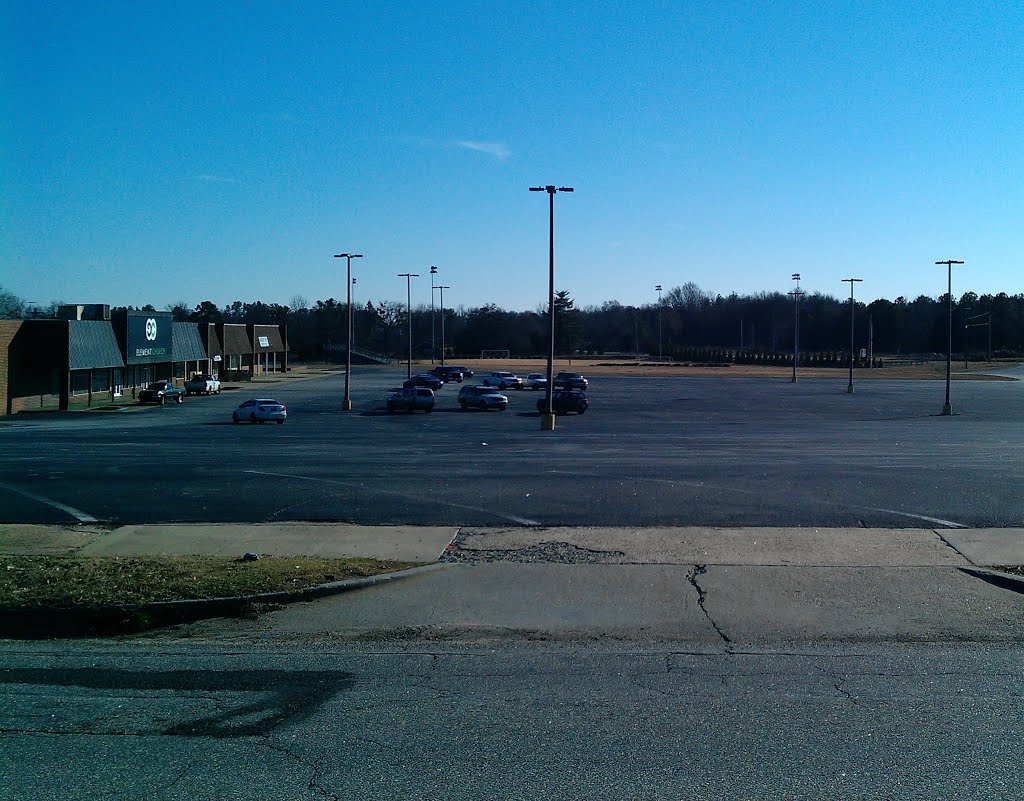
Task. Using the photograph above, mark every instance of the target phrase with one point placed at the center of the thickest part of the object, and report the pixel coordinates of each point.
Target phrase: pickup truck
(202, 384)
(160, 392)
(409, 399)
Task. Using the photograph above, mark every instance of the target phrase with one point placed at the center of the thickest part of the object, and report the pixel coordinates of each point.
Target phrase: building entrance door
(116, 388)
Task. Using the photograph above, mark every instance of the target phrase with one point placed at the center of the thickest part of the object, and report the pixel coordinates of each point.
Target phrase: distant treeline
(689, 318)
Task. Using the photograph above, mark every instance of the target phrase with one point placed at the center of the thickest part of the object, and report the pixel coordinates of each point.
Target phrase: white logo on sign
(151, 329)
(264, 342)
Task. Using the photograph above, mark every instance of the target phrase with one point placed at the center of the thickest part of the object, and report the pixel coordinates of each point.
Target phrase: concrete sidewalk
(401, 543)
(805, 547)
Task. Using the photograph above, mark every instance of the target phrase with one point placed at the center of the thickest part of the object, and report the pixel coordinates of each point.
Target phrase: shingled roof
(92, 345)
(186, 344)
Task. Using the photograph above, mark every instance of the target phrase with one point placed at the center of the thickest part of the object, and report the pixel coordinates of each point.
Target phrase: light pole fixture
(353, 338)
(442, 288)
(947, 408)
(408, 295)
(547, 419)
(433, 272)
(347, 403)
(797, 294)
(658, 290)
(851, 281)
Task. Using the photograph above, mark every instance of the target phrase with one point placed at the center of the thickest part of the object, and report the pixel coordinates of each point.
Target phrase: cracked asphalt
(525, 721)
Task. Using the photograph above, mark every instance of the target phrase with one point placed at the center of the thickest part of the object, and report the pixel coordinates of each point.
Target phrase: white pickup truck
(202, 384)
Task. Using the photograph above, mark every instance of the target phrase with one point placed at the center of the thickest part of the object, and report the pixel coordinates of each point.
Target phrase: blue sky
(192, 151)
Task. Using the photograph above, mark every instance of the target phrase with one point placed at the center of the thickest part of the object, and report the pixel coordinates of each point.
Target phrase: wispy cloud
(214, 179)
(497, 149)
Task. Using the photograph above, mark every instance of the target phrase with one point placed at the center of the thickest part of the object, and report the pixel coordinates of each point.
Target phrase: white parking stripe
(523, 521)
(78, 514)
(940, 521)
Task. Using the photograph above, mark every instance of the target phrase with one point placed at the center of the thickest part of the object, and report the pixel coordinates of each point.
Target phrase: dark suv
(570, 381)
(565, 400)
(447, 373)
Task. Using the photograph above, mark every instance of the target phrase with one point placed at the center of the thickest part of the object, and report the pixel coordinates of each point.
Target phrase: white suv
(503, 380)
(482, 398)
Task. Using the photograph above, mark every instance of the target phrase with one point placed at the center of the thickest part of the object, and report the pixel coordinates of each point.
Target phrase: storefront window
(80, 382)
(179, 369)
(100, 380)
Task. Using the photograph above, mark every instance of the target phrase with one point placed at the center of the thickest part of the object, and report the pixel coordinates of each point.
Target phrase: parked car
(447, 373)
(202, 384)
(535, 381)
(409, 399)
(565, 400)
(503, 380)
(570, 381)
(424, 380)
(160, 392)
(466, 372)
(259, 410)
(484, 398)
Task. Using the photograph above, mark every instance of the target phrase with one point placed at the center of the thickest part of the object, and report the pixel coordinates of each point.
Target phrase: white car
(535, 381)
(259, 410)
(503, 380)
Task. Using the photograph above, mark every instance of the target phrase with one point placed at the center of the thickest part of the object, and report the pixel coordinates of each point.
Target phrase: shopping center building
(90, 354)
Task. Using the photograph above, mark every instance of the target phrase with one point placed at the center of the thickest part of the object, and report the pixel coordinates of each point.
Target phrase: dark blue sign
(149, 337)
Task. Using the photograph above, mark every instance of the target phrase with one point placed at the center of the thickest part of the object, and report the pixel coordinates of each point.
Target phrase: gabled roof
(92, 345)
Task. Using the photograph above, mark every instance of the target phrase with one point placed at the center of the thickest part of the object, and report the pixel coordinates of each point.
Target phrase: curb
(134, 618)
(1005, 581)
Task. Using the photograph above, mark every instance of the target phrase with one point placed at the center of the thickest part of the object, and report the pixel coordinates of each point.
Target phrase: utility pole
(547, 420)
(433, 272)
(851, 281)
(347, 403)
(947, 408)
(797, 294)
(408, 294)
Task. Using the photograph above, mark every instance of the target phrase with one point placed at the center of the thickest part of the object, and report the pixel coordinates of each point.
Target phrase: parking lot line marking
(940, 521)
(78, 514)
(523, 521)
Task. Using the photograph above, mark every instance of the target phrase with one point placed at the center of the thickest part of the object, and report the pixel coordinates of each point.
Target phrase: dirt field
(927, 371)
(604, 366)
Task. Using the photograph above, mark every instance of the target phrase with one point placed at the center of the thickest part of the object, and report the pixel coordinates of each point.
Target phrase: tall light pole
(347, 403)
(433, 272)
(851, 281)
(442, 288)
(547, 420)
(947, 407)
(797, 294)
(352, 338)
(658, 290)
(408, 295)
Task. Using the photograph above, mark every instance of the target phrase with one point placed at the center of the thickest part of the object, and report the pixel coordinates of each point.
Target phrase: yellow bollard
(547, 422)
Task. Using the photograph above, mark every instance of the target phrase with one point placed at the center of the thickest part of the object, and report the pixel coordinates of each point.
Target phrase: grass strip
(58, 582)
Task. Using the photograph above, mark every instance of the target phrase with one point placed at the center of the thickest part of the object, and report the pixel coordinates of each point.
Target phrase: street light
(347, 403)
(353, 342)
(433, 272)
(547, 420)
(408, 294)
(658, 289)
(947, 408)
(442, 288)
(851, 281)
(797, 294)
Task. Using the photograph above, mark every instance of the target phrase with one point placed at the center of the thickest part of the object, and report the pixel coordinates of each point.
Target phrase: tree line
(687, 318)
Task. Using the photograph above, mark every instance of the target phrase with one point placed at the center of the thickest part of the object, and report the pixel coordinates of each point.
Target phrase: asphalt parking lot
(649, 452)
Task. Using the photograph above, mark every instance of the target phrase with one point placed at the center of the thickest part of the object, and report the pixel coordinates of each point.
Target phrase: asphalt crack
(315, 769)
(700, 570)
